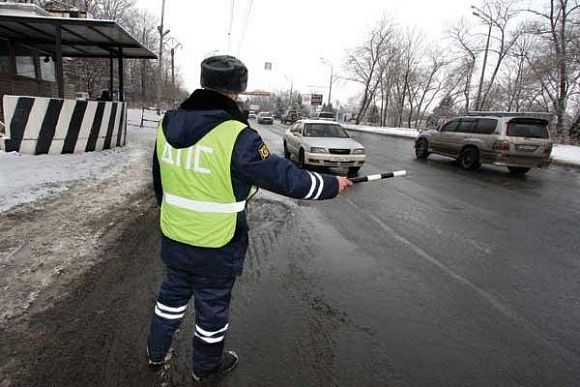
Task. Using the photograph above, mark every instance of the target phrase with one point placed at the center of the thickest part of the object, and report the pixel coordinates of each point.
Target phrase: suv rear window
(526, 127)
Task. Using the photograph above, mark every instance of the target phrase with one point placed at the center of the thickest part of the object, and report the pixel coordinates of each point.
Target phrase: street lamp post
(291, 89)
(326, 62)
(174, 47)
(488, 20)
(162, 34)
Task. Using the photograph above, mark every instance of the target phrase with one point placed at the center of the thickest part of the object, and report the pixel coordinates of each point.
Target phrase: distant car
(291, 116)
(323, 144)
(325, 116)
(265, 118)
(518, 141)
(252, 115)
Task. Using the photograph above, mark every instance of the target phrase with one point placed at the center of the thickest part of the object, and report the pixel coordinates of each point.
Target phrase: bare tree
(118, 10)
(363, 62)
(466, 45)
(143, 26)
(558, 28)
(500, 13)
(91, 75)
(410, 54)
(430, 85)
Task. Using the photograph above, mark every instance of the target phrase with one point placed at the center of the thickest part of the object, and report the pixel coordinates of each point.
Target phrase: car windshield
(266, 114)
(326, 115)
(526, 127)
(324, 130)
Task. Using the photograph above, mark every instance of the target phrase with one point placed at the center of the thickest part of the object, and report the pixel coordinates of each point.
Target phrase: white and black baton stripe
(364, 179)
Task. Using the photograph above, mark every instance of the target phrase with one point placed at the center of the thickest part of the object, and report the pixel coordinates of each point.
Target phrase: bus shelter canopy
(74, 38)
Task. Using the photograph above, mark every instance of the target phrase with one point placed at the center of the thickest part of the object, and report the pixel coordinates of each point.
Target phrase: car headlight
(359, 151)
(318, 150)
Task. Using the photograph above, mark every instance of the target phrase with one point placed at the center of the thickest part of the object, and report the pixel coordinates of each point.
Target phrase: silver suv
(518, 141)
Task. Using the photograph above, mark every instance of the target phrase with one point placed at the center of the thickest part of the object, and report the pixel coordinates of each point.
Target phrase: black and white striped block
(36, 125)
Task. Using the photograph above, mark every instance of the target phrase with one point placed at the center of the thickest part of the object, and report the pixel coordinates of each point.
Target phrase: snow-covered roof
(22, 9)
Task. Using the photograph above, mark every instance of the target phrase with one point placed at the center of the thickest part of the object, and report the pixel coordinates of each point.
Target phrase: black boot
(229, 362)
(155, 363)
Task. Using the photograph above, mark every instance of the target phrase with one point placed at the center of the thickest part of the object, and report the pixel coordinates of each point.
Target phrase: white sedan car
(323, 144)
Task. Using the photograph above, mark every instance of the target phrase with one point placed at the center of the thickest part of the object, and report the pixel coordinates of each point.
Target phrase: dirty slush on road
(80, 272)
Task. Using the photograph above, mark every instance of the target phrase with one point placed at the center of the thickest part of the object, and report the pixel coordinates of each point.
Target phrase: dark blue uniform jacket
(251, 165)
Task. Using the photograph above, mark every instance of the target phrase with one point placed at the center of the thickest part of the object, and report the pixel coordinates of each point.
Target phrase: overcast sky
(293, 35)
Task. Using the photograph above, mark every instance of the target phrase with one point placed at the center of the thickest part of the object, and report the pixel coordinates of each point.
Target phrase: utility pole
(328, 63)
(162, 33)
(291, 89)
(174, 47)
(330, 86)
(486, 18)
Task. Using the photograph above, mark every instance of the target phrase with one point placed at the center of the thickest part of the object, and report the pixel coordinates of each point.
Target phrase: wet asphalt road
(441, 278)
(462, 278)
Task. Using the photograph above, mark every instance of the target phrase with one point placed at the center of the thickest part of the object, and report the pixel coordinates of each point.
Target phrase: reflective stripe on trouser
(212, 313)
(212, 304)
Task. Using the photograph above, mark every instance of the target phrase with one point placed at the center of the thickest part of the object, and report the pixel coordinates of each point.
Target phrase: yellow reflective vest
(199, 207)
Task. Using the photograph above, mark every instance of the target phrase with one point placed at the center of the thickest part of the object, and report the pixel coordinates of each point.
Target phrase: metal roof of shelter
(80, 38)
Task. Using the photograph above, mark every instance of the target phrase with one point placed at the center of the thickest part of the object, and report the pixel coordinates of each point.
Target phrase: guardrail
(2, 131)
(144, 119)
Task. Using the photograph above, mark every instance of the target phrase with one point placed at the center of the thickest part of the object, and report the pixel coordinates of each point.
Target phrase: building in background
(36, 100)
(61, 9)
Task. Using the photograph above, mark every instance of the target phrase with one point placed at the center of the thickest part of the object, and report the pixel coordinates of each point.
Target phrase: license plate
(527, 148)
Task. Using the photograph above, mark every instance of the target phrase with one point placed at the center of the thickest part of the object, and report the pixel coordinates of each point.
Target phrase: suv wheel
(518, 171)
(286, 151)
(422, 149)
(301, 161)
(469, 158)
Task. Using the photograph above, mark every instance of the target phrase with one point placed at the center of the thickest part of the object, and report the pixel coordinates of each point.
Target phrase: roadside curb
(390, 134)
(565, 164)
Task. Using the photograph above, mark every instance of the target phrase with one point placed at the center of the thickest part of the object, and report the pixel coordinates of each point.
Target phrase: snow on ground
(397, 132)
(561, 154)
(566, 154)
(26, 178)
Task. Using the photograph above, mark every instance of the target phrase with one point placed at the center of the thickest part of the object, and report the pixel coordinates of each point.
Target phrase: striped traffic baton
(364, 179)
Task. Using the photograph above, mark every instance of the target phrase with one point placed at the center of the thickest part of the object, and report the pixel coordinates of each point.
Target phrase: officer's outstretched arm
(253, 163)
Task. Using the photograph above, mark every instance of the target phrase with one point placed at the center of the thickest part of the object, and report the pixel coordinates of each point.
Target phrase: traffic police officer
(207, 164)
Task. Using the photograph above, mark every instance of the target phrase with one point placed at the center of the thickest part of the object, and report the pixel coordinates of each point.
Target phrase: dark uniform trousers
(212, 307)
